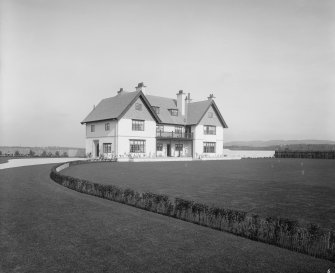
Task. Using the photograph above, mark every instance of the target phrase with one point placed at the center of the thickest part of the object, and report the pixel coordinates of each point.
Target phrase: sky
(270, 64)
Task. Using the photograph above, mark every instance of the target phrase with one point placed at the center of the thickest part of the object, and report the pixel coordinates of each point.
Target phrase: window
(160, 128)
(107, 126)
(173, 112)
(137, 125)
(156, 109)
(178, 129)
(107, 148)
(138, 106)
(159, 147)
(209, 130)
(137, 146)
(210, 114)
(92, 128)
(209, 147)
(179, 147)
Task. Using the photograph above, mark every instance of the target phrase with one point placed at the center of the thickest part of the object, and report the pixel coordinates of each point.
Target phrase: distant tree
(57, 154)
(17, 153)
(49, 154)
(65, 154)
(44, 154)
(31, 153)
(0, 152)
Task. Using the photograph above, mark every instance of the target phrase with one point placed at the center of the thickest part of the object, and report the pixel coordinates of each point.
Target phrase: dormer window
(173, 112)
(156, 109)
(138, 106)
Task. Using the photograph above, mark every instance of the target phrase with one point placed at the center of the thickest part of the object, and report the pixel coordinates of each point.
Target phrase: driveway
(13, 163)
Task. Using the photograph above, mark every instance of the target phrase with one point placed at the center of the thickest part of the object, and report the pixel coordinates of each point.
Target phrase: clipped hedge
(281, 232)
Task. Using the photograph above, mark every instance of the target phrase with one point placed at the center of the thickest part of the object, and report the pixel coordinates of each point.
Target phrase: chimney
(188, 98)
(120, 91)
(140, 87)
(181, 96)
(211, 96)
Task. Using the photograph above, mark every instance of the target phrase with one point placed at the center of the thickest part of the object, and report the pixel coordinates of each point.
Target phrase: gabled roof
(115, 107)
(164, 105)
(197, 110)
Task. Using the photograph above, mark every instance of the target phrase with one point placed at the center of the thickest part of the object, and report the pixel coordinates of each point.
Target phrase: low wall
(285, 233)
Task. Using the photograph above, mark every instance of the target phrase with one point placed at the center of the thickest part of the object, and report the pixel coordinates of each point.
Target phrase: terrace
(174, 135)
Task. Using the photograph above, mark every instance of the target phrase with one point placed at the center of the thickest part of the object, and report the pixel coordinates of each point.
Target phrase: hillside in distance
(267, 143)
(298, 145)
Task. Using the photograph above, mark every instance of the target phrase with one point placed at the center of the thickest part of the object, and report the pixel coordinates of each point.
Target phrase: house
(140, 125)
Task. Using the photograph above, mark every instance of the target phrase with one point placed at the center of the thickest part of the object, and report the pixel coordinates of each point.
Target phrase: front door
(97, 152)
(168, 148)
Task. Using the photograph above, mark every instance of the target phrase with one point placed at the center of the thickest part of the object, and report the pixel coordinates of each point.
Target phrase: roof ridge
(118, 95)
(159, 97)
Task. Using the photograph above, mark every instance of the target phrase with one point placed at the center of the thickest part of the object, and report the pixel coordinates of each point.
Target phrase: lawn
(3, 160)
(48, 228)
(302, 189)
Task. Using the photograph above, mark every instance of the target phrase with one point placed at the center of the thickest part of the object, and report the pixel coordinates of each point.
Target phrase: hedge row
(285, 233)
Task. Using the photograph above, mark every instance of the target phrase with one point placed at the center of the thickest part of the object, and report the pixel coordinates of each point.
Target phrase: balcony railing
(161, 134)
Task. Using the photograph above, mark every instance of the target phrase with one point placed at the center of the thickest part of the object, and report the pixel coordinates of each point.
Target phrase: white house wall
(200, 137)
(125, 132)
(101, 136)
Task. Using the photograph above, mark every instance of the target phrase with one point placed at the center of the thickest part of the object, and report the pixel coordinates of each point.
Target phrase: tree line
(31, 153)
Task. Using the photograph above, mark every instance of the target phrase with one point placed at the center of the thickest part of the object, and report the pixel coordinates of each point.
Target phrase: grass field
(299, 189)
(48, 228)
(3, 160)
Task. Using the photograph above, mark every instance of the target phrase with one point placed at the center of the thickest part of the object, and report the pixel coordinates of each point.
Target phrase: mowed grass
(302, 189)
(3, 160)
(46, 227)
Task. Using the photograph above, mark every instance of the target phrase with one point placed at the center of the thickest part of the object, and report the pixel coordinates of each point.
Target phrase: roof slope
(164, 105)
(115, 107)
(112, 108)
(196, 111)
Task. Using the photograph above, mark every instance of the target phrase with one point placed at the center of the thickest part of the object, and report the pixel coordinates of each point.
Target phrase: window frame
(107, 126)
(159, 147)
(180, 147)
(159, 128)
(137, 125)
(141, 143)
(209, 147)
(92, 128)
(178, 129)
(107, 148)
(173, 112)
(156, 109)
(207, 130)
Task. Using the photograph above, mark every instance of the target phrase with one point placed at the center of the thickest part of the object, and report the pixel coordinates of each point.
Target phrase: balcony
(174, 135)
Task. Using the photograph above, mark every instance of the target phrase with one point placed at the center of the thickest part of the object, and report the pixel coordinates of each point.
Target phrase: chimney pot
(120, 91)
(211, 96)
(140, 87)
